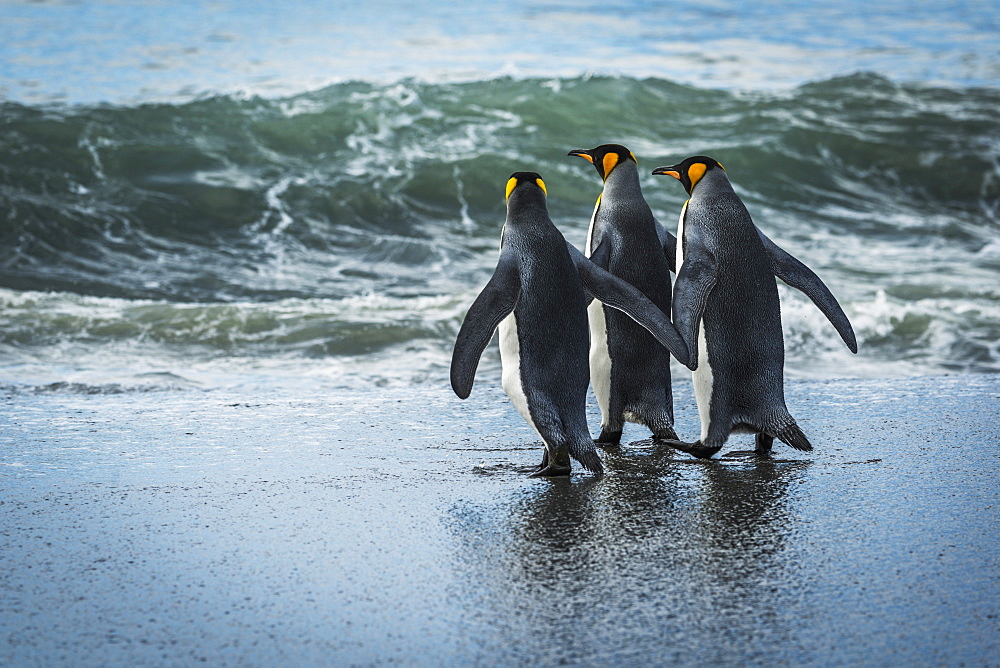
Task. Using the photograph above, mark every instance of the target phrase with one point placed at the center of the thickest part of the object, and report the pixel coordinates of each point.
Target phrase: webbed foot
(696, 449)
(552, 467)
(552, 470)
(609, 438)
(665, 435)
(764, 443)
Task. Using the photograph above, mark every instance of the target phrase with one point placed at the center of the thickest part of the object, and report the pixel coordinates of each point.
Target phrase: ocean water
(222, 194)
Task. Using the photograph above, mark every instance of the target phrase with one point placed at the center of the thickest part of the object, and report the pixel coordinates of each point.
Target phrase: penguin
(537, 299)
(630, 373)
(726, 307)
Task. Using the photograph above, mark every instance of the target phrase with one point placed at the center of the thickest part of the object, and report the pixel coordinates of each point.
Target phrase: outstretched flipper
(802, 278)
(494, 303)
(618, 294)
(669, 243)
(691, 289)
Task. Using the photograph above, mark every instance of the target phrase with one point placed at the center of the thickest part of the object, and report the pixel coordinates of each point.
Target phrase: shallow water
(257, 528)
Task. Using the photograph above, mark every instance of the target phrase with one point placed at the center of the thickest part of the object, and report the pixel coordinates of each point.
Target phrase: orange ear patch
(541, 184)
(511, 182)
(610, 160)
(695, 172)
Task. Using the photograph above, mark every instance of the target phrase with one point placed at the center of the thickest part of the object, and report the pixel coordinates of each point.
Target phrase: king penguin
(537, 298)
(726, 308)
(630, 373)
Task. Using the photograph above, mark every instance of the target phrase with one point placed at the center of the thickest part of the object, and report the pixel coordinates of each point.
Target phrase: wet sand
(250, 528)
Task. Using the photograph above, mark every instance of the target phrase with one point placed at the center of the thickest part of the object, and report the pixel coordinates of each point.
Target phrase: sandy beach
(177, 527)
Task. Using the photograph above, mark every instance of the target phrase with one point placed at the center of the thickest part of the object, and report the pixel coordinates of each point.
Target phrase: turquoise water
(216, 194)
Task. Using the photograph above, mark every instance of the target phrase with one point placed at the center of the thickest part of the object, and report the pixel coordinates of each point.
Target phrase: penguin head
(690, 171)
(605, 157)
(525, 201)
(525, 182)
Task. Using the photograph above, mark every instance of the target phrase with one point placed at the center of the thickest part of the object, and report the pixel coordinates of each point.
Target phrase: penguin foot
(763, 442)
(696, 449)
(551, 470)
(665, 435)
(551, 467)
(609, 438)
(609, 447)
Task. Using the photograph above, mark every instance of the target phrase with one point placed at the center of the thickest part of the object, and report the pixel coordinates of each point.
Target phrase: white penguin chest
(590, 230)
(510, 361)
(679, 253)
(600, 356)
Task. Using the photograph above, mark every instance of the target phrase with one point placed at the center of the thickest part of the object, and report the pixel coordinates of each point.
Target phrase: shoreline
(399, 526)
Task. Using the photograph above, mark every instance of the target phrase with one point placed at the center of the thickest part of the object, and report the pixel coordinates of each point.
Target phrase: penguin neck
(623, 209)
(713, 184)
(623, 181)
(528, 217)
(526, 204)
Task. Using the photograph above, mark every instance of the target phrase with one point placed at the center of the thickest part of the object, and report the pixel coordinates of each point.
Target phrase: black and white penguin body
(727, 309)
(629, 371)
(537, 298)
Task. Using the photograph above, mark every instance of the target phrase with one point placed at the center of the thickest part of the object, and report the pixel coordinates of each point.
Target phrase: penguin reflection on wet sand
(726, 307)
(538, 298)
(630, 373)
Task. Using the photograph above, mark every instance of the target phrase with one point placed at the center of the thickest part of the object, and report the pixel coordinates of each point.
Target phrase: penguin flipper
(802, 278)
(494, 303)
(669, 244)
(602, 254)
(618, 294)
(602, 258)
(691, 289)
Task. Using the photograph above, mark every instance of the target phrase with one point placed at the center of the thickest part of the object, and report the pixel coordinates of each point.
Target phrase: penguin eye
(511, 182)
(695, 172)
(610, 160)
(541, 184)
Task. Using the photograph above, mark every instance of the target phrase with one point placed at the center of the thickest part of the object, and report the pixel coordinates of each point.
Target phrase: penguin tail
(793, 436)
(584, 452)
